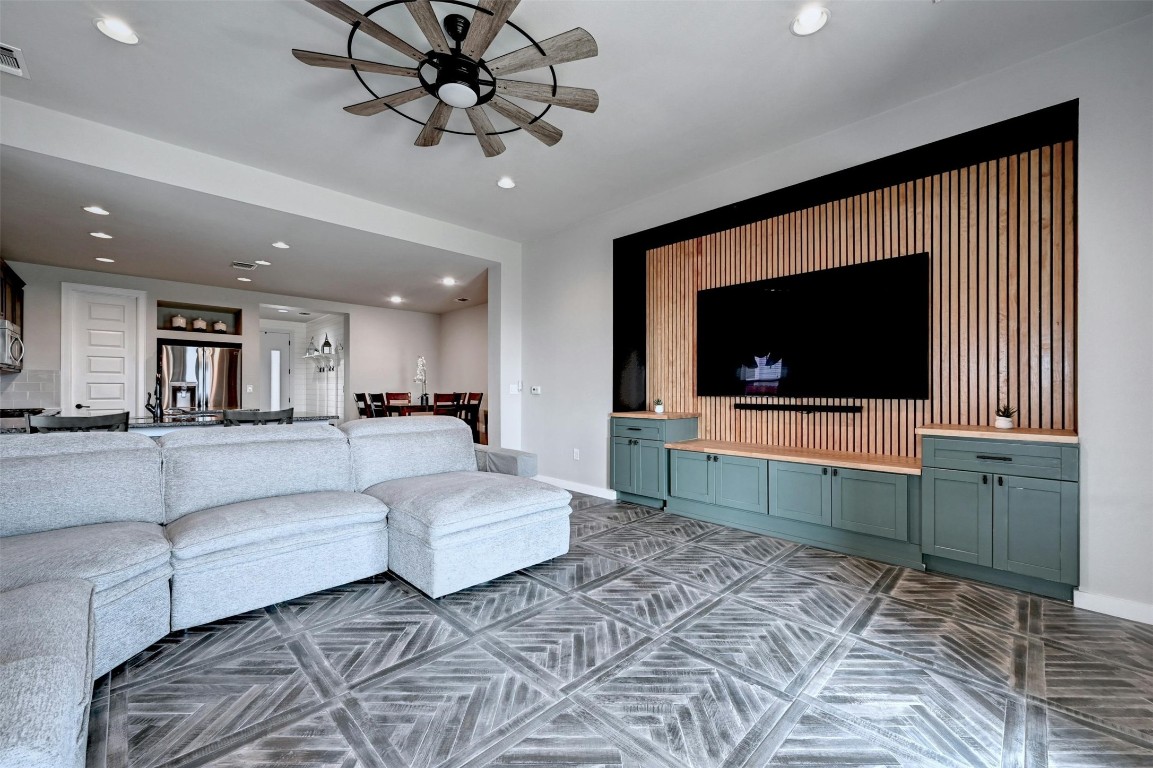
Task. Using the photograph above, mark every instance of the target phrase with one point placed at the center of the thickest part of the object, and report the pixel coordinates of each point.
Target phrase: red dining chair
(362, 406)
(444, 404)
(376, 405)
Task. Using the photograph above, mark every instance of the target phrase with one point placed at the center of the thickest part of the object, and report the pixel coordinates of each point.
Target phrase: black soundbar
(797, 407)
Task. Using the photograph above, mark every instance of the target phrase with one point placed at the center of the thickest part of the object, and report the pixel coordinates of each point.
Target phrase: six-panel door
(800, 492)
(742, 483)
(1035, 527)
(871, 502)
(623, 475)
(957, 515)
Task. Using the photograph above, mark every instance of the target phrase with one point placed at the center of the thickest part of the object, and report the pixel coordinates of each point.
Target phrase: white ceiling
(171, 233)
(687, 88)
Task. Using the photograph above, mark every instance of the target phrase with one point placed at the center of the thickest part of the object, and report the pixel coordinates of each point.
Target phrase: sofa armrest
(505, 461)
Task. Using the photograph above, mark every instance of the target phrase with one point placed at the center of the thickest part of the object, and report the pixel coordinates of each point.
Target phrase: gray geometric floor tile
(622, 512)
(346, 600)
(313, 742)
(688, 708)
(582, 526)
(674, 526)
(801, 598)
(1073, 744)
(710, 569)
(763, 645)
(581, 501)
(494, 600)
(630, 543)
(577, 568)
(963, 599)
(751, 546)
(368, 643)
(197, 645)
(568, 640)
(1119, 640)
(819, 740)
(843, 570)
(969, 649)
(931, 710)
(1089, 684)
(650, 598)
(450, 707)
(189, 711)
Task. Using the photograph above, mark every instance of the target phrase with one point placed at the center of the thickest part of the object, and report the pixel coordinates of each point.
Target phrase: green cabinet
(638, 458)
(876, 503)
(800, 492)
(735, 482)
(1025, 524)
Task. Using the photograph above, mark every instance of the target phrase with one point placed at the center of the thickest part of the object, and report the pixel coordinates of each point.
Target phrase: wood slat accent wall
(1002, 241)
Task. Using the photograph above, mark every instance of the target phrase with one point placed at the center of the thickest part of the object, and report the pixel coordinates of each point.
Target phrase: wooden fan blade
(584, 99)
(485, 26)
(492, 145)
(371, 28)
(425, 18)
(431, 132)
(545, 132)
(574, 45)
(343, 62)
(376, 106)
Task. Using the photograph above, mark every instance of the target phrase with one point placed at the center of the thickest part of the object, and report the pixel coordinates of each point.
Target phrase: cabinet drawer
(640, 429)
(1052, 462)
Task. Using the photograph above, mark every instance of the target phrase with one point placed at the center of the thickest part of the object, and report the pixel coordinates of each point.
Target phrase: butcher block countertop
(653, 415)
(1064, 436)
(904, 465)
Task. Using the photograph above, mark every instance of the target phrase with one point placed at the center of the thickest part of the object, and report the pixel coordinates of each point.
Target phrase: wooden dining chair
(377, 405)
(444, 404)
(399, 398)
(112, 422)
(257, 418)
(470, 409)
(362, 406)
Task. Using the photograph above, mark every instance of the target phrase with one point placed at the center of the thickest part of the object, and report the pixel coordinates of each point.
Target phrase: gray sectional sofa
(153, 536)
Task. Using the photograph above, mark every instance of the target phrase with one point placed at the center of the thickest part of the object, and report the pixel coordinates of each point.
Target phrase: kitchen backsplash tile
(30, 389)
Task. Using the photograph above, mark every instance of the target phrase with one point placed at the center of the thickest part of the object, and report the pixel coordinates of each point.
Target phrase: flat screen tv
(859, 331)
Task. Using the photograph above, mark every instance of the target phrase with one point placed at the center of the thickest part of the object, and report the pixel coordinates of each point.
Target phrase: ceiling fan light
(457, 95)
(809, 21)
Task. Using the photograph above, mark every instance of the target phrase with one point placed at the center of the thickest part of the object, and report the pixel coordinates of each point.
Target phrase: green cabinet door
(742, 483)
(691, 476)
(800, 492)
(1035, 527)
(622, 459)
(649, 471)
(957, 515)
(871, 502)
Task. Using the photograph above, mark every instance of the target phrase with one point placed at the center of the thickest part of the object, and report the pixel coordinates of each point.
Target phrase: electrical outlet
(249, 389)
(576, 454)
(536, 390)
(512, 389)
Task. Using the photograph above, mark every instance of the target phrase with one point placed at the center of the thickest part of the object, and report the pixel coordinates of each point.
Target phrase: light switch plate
(249, 389)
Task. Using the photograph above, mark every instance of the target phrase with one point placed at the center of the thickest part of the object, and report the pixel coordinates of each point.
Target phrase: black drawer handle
(634, 429)
(983, 457)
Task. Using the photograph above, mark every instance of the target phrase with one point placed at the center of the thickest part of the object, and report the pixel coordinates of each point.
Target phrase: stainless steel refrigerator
(197, 376)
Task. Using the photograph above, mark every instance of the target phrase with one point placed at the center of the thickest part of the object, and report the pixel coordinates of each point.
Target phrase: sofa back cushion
(388, 449)
(66, 479)
(212, 466)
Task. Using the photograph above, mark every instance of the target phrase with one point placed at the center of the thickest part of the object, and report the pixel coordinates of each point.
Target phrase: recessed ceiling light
(809, 20)
(245, 279)
(106, 260)
(263, 263)
(505, 182)
(281, 244)
(449, 281)
(395, 299)
(117, 30)
(101, 235)
(282, 310)
(97, 210)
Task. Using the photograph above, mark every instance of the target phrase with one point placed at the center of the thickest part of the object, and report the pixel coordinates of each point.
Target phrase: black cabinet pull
(824, 470)
(1000, 481)
(633, 429)
(984, 479)
(982, 457)
(834, 471)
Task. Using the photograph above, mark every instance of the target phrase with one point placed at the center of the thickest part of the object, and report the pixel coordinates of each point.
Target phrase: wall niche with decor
(179, 317)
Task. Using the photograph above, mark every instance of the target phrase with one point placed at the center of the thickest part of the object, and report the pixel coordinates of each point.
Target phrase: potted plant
(1005, 414)
(659, 405)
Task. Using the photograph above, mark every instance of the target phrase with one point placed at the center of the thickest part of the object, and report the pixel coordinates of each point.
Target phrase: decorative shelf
(166, 310)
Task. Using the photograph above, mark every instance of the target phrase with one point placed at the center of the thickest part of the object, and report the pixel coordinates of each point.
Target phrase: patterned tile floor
(657, 641)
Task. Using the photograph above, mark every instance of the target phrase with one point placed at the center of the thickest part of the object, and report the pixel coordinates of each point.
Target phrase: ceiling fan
(455, 72)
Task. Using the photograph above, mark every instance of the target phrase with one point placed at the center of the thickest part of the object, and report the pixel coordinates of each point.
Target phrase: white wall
(464, 351)
(568, 286)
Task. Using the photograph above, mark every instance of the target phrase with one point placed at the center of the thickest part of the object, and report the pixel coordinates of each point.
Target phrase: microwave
(11, 347)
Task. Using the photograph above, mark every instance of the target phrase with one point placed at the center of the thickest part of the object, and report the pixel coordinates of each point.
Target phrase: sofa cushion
(68, 479)
(106, 554)
(433, 506)
(388, 449)
(208, 468)
(265, 521)
(46, 651)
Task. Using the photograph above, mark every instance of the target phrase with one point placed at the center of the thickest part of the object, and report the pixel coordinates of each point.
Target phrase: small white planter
(659, 408)
(1004, 422)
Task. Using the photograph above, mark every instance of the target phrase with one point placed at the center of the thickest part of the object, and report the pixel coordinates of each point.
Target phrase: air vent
(247, 266)
(12, 61)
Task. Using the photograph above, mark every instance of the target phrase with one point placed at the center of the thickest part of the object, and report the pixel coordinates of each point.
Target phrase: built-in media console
(995, 505)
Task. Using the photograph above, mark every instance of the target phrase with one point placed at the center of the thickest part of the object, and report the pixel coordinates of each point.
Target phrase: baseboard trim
(570, 485)
(1114, 606)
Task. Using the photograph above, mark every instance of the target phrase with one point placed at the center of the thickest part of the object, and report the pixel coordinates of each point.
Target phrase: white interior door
(101, 350)
(276, 369)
